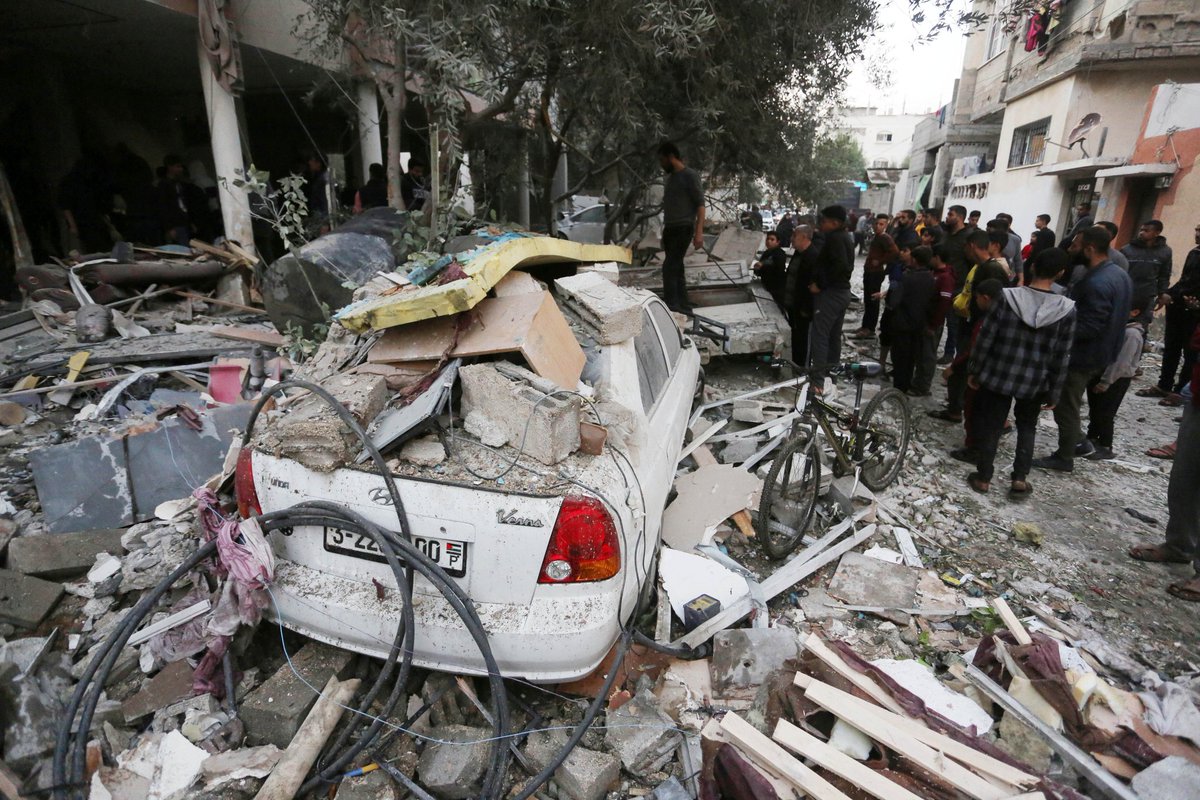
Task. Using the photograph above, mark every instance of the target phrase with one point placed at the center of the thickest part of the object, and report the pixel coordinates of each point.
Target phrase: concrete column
(227, 154)
(370, 140)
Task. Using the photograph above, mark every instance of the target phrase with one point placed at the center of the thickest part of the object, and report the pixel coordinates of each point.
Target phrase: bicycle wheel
(789, 496)
(884, 429)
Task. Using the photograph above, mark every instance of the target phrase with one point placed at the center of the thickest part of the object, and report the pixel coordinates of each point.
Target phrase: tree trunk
(396, 100)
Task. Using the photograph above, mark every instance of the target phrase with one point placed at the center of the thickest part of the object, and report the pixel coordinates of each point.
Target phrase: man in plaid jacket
(1020, 358)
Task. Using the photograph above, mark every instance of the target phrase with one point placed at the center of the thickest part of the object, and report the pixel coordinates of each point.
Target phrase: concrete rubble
(878, 660)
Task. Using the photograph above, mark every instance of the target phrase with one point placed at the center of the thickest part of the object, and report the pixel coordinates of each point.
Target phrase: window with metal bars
(1029, 144)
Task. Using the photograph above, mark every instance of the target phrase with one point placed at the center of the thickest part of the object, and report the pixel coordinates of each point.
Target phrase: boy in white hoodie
(1106, 394)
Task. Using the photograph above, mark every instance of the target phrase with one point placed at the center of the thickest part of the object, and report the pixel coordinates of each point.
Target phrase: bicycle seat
(865, 369)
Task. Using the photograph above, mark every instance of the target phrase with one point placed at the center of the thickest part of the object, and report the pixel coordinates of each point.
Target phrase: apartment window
(997, 37)
(883, 136)
(1028, 144)
(879, 163)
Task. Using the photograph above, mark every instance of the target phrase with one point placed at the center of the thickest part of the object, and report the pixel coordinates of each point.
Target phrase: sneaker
(1055, 463)
(1084, 449)
(945, 414)
(1101, 454)
(965, 454)
(944, 360)
(916, 393)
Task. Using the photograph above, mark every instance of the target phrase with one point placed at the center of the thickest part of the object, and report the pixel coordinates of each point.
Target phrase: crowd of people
(1024, 326)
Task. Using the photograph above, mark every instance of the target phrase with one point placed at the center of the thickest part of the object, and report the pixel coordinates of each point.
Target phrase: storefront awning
(1139, 171)
(1081, 167)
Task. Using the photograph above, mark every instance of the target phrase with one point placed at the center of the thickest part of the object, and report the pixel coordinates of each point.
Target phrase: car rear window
(652, 364)
(669, 332)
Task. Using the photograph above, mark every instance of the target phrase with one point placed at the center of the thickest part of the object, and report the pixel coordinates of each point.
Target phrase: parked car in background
(769, 220)
(586, 226)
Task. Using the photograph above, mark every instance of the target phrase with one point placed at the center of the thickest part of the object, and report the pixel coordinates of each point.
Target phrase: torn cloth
(216, 41)
(1171, 712)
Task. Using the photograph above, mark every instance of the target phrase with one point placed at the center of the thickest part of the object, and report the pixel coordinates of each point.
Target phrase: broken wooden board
(707, 497)
(483, 269)
(766, 752)
(1011, 622)
(815, 645)
(839, 763)
(246, 334)
(530, 324)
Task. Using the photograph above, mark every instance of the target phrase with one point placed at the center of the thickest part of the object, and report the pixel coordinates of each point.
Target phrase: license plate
(451, 556)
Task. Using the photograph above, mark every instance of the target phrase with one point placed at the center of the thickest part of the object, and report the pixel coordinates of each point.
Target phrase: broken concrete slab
(641, 735)
(172, 684)
(24, 600)
(705, 498)
(274, 711)
(453, 771)
(97, 482)
(179, 766)
(545, 428)
(29, 723)
(424, 452)
(584, 775)
(314, 435)
(740, 450)
(377, 785)
(864, 581)
(62, 555)
(671, 789)
(735, 243)
(234, 765)
(1173, 778)
(8, 531)
(746, 658)
(748, 411)
(611, 314)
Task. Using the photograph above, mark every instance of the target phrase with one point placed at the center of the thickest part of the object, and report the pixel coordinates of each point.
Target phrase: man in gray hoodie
(1021, 357)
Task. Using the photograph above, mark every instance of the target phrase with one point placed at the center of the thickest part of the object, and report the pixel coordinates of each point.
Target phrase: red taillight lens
(583, 545)
(243, 485)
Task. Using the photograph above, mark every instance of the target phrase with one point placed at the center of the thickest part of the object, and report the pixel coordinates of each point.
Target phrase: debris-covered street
(596, 401)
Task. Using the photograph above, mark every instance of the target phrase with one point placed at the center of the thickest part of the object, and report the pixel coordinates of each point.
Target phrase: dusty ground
(1081, 568)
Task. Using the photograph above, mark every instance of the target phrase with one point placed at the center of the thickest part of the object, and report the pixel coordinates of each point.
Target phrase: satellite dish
(1080, 131)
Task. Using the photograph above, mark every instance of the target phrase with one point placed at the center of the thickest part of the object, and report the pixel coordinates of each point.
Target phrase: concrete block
(424, 452)
(548, 426)
(671, 789)
(748, 411)
(1173, 778)
(314, 435)
(744, 659)
(377, 785)
(739, 450)
(641, 735)
(612, 314)
(28, 723)
(585, 775)
(24, 600)
(486, 429)
(172, 684)
(454, 771)
(64, 555)
(273, 712)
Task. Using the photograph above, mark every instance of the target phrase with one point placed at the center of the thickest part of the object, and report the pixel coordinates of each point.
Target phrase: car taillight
(243, 485)
(583, 545)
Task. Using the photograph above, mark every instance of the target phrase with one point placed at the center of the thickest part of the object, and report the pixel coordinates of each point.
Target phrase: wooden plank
(839, 763)
(815, 645)
(1011, 622)
(215, 252)
(903, 743)
(964, 753)
(1104, 781)
(243, 334)
(217, 301)
(783, 789)
(768, 752)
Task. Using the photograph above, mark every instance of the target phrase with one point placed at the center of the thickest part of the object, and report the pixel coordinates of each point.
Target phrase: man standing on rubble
(831, 292)
(683, 223)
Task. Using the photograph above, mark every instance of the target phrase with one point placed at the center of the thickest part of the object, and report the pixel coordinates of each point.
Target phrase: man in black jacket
(912, 305)
(1043, 237)
(1150, 264)
(801, 272)
(771, 268)
(1103, 298)
(831, 291)
(1182, 302)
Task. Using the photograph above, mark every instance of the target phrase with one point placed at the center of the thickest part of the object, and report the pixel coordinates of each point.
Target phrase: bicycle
(871, 444)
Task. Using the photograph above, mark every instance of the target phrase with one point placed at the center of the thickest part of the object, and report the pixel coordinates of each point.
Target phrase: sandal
(1151, 391)
(1186, 590)
(945, 415)
(978, 484)
(1167, 451)
(1172, 400)
(1157, 554)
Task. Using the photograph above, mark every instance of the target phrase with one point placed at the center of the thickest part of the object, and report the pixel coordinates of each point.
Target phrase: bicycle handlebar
(859, 370)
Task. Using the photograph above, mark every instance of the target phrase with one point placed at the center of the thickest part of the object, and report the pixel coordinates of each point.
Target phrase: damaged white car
(552, 545)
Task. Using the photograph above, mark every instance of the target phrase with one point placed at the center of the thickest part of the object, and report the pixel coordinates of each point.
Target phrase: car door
(587, 226)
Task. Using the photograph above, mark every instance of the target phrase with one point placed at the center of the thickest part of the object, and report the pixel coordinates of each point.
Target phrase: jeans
(872, 283)
(829, 314)
(990, 410)
(1183, 501)
(926, 365)
(1102, 411)
(675, 241)
(1180, 325)
(1068, 411)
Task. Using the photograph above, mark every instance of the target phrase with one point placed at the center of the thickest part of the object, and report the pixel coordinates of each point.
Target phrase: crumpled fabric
(217, 43)
(182, 640)
(1171, 712)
